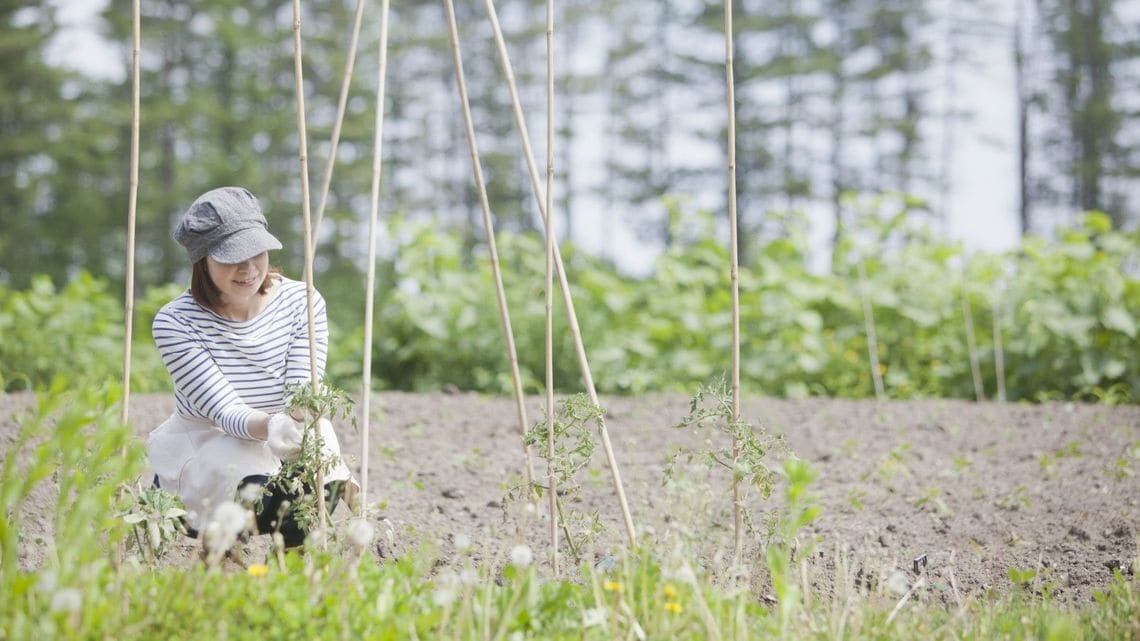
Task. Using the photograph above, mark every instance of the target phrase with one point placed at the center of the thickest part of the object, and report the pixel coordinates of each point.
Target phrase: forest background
(850, 118)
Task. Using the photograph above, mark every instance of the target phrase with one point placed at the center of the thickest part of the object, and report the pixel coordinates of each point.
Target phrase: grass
(82, 592)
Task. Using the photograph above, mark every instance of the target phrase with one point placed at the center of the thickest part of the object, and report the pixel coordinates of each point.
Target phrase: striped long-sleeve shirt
(224, 370)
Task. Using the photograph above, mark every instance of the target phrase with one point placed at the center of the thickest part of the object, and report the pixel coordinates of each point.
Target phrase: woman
(232, 344)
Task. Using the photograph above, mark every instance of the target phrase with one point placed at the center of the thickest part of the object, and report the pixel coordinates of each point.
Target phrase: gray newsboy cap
(226, 224)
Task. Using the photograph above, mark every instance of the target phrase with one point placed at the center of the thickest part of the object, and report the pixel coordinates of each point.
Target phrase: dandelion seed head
(443, 596)
(461, 541)
(360, 533)
(66, 600)
(521, 556)
(593, 616)
(468, 576)
(517, 636)
(250, 493)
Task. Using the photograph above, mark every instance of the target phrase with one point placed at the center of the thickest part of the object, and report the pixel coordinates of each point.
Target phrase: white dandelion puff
(461, 541)
(521, 556)
(593, 616)
(360, 533)
(66, 600)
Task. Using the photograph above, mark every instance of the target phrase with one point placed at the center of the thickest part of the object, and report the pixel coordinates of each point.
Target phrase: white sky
(982, 202)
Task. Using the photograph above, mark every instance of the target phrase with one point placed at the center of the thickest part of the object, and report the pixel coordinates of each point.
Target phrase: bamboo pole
(369, 297)
(342, 102)
(734, 277)
(567, 298)
(869, 328)
(548, 223)
(999, 352)
(298, 74)
(971, 345)
(489, 231)
(132, 208)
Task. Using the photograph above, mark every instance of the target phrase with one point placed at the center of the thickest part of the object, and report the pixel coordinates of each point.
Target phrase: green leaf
(1118, 319)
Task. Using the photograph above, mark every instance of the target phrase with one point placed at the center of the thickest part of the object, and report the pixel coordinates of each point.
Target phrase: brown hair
(206, 292)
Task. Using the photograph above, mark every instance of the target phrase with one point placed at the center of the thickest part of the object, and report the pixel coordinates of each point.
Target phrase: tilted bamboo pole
(489, 231)
(342, 102)
(734, 277)
(567, 298)
(132, 208)
(369, 297)
(552, 489)
(303, 156)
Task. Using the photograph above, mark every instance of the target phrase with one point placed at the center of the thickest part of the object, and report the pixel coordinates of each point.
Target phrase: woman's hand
(285, 434)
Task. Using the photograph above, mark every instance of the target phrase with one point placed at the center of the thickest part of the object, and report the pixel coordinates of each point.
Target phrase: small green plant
(303, 475)
(1017, 498)
(574, 446)
(711, 408)
(156, 520)
(931, 498)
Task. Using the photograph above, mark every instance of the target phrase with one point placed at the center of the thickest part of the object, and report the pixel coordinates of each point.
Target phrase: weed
(574, 446)
(156, 520)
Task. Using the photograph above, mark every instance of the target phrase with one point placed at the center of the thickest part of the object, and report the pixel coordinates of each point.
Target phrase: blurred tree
(35, 131)
(1095, 57)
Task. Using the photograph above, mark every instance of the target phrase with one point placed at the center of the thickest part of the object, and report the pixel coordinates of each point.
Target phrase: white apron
(203, 465)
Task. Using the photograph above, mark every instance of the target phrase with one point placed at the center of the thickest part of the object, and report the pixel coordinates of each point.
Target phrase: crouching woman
(233, 344)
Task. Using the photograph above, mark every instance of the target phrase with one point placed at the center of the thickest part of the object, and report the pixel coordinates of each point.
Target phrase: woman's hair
(206, 292)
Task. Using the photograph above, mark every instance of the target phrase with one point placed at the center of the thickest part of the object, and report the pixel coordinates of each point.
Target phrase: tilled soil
(950, 493)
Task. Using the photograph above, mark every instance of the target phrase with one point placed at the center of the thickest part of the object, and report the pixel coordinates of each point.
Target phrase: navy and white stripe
(224, 370)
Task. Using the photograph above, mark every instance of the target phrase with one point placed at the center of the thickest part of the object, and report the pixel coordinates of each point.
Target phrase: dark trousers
(274, 513)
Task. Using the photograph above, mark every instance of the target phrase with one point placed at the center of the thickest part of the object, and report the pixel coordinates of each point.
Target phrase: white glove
(285, 436)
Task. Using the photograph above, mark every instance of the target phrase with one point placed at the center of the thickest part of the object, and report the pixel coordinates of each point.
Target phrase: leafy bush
(1067, 313)
(77, 333)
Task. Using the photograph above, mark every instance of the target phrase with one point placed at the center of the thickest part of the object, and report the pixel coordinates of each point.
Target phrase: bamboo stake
(489, 231)
(567, 298)
(734, 277)
(132, 208)
(999, 352)
(298, 73)
(971, 346)
(869, 327)
(369, 297)
(132, 202)
(342, 102)
(548, 223)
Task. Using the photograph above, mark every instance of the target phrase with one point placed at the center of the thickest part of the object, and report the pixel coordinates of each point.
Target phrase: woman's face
(239, 282)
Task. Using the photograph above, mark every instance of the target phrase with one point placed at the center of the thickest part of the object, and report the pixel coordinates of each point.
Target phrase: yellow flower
(674, 607)
(850, 356)
(669, 591)
(257, 569)
(612, 586)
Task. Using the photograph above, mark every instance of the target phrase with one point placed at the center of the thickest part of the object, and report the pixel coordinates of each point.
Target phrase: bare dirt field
(973, 489)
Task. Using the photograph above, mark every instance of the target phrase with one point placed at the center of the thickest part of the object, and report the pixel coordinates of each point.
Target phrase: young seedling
(711, 408)
(304, 476)
(574, 446)
(156, 521)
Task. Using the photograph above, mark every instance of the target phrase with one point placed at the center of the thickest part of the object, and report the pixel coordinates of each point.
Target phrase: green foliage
(74, 443)
(1066, 311)
(77, 333)
(574, 423)
(156, 517)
